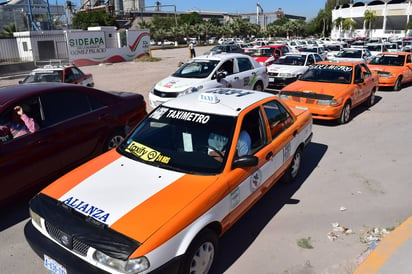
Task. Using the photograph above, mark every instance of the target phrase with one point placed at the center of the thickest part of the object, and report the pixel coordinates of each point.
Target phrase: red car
(266, 55)
(72, 125)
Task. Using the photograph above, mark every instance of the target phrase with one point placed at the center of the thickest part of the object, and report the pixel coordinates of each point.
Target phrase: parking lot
(355, 177)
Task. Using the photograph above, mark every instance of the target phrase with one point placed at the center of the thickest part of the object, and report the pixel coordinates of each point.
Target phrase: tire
(293, 170)
(371, 99)
(201, 254)
(398, 84)
(113, 140)
(258, 86)
(345, 114)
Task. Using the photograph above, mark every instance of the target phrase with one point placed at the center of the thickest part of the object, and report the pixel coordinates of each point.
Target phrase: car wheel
(398, 84)
(258, 86)
(114, 140)
(371, 99)
(345, 114)
(201, 254)
(293, 169)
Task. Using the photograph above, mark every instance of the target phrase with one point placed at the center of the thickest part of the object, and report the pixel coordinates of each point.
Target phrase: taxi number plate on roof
(53, 266)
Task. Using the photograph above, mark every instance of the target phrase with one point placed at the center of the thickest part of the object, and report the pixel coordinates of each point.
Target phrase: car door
(29, 160)
(408, 66)
(229, 69)
(244, 78)
(77, 123)
(79, 77)
(272, 151)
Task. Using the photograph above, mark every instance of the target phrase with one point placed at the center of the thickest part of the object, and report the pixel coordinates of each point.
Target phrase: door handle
(269, 156)
(236, 78)
(295, 133)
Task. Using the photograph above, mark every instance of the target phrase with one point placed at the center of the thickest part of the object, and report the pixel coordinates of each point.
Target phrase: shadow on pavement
(237, 239)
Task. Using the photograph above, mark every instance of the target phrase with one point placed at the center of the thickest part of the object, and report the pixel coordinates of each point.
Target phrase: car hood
(286, 68)
(130, 197)
(176, 84)
(317, 87)
(385, 68)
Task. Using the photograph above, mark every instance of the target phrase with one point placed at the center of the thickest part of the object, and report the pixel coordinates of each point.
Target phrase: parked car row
(213, 145)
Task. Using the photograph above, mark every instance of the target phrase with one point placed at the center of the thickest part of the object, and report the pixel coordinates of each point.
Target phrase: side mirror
(359, 81)
(220, 76)
(245, 161)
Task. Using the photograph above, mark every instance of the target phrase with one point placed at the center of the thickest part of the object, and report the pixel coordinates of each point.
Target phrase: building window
(25, 47)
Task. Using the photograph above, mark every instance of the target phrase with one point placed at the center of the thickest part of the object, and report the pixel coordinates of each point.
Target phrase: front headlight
(187, 91)
(130, 266)
(284, 74)
(331, 102)
(384, 74)
(35, 217)
(284, 97)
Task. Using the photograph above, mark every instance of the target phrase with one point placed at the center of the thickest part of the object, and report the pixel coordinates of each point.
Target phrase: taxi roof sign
(210, 98)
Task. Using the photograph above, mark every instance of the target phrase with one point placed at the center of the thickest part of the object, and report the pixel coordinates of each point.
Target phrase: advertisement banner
(90, 47)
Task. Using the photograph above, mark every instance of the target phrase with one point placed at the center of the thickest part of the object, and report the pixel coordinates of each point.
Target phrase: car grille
(306, 97)
(273, 73)
(76, 245)
(165, 94)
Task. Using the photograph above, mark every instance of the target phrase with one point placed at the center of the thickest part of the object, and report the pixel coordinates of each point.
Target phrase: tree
(8, 30)
(348, 24)
(369, 17)
(191, 19)
(325, 17)
(83, 20)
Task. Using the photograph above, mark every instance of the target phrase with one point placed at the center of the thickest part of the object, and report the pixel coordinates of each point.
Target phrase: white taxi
(69, 74)
(233, 70)
(289, 68)
(180, 180)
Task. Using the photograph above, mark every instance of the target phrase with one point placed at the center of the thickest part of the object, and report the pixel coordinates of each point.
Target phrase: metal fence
(34, 47)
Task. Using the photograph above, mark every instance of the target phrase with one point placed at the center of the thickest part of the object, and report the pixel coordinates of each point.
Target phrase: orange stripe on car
(75, 177)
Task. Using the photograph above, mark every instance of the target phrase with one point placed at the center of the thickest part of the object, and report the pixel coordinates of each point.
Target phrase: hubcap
(202, 259)
(115, 141)
(295, 165)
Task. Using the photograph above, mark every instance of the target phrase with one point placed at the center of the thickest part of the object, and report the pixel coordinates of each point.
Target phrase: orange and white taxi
(161, 200)
(394, 69)
(330, 90)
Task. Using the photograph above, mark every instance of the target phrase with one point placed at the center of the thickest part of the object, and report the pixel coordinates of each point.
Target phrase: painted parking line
(391, 253)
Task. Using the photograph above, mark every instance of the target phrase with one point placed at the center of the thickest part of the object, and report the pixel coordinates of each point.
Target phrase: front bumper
(281, 81)
(318, 112)
(387, 81)
(42, 245)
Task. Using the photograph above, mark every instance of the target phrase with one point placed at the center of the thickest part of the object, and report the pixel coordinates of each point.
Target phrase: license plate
(53, 266)
(271, 79)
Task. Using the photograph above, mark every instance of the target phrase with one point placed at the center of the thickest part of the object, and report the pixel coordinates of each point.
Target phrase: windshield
(375, 47)
(315, 50)
(264, 52)
(295, 60)
(388, 60)
(52, 76)
(350, 54)
(329, 74)
(180, 140)
(196, 69)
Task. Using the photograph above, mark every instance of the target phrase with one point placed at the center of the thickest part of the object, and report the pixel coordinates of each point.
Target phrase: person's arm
(31, 125)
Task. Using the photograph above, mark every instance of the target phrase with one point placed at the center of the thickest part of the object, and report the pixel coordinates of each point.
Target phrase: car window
(318, 58)
(77, 73)
(244, 64)
(191, 137)
(253, 124)
(196, 69)
(14, 129)
(311, 60)
(63, 105)
(69, 76)
(278, 117)
(227, 67)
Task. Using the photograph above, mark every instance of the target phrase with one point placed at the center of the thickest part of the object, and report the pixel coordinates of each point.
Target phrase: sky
(307, 8)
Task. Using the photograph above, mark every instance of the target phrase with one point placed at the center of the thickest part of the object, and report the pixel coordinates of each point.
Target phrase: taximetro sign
(90, 47)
